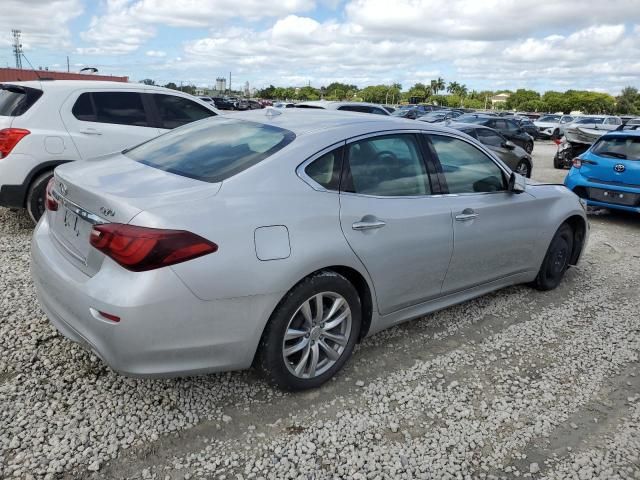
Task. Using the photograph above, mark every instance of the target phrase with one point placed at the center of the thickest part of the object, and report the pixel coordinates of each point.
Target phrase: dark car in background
(515, 157)
(527, 125)
(506, 126)
(223, 103)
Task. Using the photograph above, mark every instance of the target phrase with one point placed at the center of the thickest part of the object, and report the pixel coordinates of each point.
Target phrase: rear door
(495, 231)
(401, 232)
(107, 121)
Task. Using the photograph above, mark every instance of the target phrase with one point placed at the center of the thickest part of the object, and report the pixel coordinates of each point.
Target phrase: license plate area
(73, 231)
(614, 196)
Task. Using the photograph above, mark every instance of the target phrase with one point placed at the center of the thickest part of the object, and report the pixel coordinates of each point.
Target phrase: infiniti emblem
(107, 212)
(63, 189)
(619, 167)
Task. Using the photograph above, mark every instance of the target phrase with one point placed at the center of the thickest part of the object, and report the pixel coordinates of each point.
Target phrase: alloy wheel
(317, 335)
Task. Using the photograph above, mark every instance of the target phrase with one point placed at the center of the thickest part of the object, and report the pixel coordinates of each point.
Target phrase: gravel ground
(518, 383)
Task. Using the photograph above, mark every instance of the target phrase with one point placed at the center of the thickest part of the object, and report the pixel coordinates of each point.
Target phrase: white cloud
(156, 53)
(44, 23)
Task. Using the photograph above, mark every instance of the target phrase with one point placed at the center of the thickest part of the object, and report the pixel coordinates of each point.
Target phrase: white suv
(46, 123)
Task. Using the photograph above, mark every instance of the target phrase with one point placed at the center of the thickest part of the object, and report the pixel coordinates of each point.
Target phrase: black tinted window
(212, 150)
(326, 170)
(489, 137)
(466, 169)
(387, 166)
(622, 147)
(356, 108)
(177, 111)
(122, 108)
(15, 100)
(83, 108)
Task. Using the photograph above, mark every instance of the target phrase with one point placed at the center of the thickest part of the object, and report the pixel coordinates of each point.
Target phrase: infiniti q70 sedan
(280, 240)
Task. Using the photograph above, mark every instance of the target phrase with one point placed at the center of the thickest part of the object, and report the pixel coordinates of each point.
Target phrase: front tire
(312, 332)
(36, 196)
(556, 261)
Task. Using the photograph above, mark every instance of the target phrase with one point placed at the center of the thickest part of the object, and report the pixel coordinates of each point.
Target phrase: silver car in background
(282, 239)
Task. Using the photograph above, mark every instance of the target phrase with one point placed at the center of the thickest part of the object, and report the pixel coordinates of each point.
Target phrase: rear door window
(326, 170)
(176, 111)
(489, 137)
(120, 108)
(212, 151)
(388, 166)
(16, 99)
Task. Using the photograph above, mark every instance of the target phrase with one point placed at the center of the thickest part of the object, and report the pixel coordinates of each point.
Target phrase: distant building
(500, 98)
(16, 75)
(221, 84)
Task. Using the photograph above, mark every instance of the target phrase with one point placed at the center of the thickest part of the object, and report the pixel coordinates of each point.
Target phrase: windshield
(596, 120)
(622, 147)
(212, 150)
(549, 118)
(403, 112)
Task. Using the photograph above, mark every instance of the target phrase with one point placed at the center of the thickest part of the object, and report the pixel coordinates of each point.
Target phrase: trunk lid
(111, 189)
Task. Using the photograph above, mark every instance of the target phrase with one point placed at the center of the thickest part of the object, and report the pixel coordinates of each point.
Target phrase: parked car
(549, 125)
(409, 113)
(586, 130)
(506, 126)
(254, 105)
(526, 124)
(206, 99)
(440, 116)
(608, 173)
(283, 240)
(223, 103)
(284, 105)
(47, 123)
(515, 157)
(389, 108)
(361, 107)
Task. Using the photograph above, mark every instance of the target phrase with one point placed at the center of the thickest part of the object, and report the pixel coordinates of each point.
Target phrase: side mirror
(517, 183)
(509, 145)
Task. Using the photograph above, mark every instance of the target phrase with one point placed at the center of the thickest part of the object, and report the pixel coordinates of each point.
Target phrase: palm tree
(440, 84)
(453, 87)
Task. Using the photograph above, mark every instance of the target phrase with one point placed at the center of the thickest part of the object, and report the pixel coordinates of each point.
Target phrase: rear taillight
(139, 248)
(577, 162)
(49, 201)
(9, 138)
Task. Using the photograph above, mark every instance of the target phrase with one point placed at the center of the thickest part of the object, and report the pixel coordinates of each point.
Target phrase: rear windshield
(590, 120)
(624, 148)
(212, 150)
(549, 118)
(16, 99)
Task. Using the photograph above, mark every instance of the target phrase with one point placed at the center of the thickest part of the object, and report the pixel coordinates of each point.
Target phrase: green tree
(628, 102)
(340, 91)
(520, 97)
(148, 81)
(308, 93)
(556, 102)
(419, 92)
(533, 106)
(171, 85)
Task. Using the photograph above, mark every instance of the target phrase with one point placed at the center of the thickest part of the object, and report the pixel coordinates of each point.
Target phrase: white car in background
(549, 125)
(361, 107)
(46, 123)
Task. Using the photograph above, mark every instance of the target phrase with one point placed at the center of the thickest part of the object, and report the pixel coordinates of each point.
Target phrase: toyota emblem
(619, 168)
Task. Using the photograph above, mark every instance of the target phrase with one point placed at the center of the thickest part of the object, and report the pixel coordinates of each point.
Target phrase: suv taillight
(140, 248)
(9, 138)
(50, 202)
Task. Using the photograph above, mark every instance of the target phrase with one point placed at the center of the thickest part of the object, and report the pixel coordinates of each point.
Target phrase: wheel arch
(579, 226)
(36, 172)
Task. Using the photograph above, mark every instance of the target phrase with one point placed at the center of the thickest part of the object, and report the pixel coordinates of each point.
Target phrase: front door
(494, 230)
(401, 233)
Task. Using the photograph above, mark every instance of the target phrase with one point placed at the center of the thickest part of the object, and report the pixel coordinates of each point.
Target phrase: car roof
(623, 133)
(309, 120)
(334, 104)
(60, 85)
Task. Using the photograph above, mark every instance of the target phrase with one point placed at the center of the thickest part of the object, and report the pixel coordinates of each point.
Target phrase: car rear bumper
(589, 191)
(164, 329)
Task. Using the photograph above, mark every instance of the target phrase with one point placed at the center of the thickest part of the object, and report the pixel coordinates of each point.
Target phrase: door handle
(369, 225)
(91, 131)
(466, 214)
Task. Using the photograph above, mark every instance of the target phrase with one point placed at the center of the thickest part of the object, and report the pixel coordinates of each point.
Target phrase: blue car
(608, 174)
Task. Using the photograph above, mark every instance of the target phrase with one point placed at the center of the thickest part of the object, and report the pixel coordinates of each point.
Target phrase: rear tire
(558, 162)
(36, 196)
(556, 261)
(529, 147)
(524, 168)
(295, 371)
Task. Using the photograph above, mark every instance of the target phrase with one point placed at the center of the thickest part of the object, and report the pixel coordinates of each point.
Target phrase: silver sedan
(280, 240)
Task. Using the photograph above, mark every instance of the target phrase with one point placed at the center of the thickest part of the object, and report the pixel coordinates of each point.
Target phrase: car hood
(546, 124)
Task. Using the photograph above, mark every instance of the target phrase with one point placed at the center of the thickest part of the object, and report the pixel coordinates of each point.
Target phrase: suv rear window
(214, 150)
(16, 99)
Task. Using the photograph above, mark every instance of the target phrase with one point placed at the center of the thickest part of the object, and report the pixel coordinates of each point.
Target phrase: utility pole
(68, 64)
(229, 83)
(17, 47)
